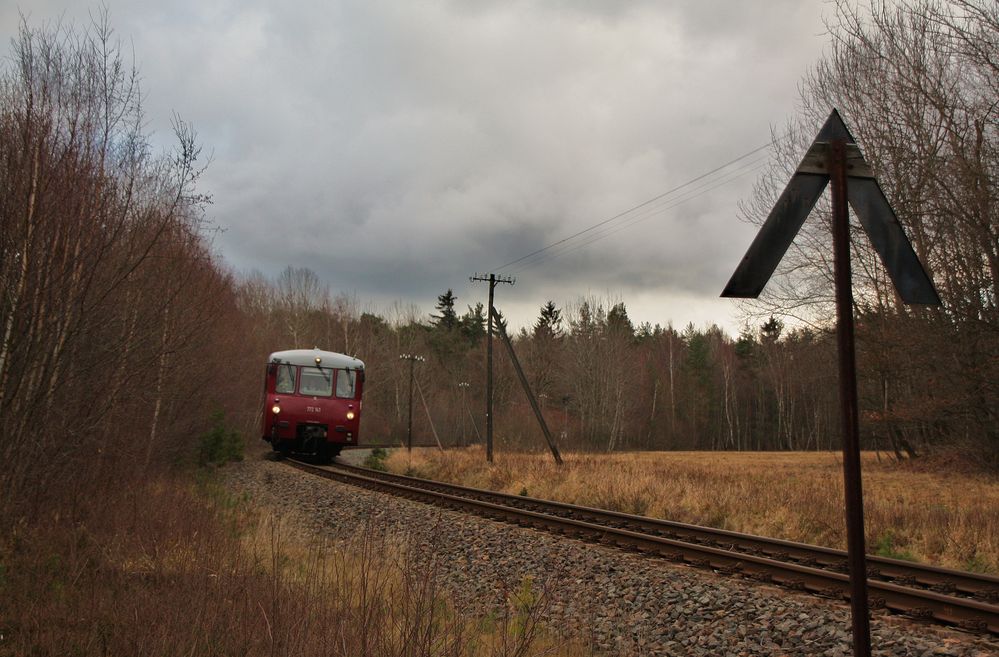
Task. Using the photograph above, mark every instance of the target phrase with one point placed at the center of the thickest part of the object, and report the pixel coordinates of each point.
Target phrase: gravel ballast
(623, 603)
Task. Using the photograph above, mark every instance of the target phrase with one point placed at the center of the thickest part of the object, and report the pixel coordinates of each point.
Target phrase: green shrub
(376, 460)
(220, 444)
(974, 564)
(886, 546)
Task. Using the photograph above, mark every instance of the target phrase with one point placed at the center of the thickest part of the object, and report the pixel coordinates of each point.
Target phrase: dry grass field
(181, 569)
(945, 518)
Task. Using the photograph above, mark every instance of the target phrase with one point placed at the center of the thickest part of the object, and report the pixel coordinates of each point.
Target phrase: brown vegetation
(113, 350)
(947, 519)
(174, 570)
(128, 352)
(120, 370)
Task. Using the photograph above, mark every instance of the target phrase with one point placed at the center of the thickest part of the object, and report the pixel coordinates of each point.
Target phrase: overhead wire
(630, 211)
(646, 214)
(542, 256)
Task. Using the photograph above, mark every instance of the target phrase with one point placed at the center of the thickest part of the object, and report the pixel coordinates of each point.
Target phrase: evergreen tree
(473, 323)
(745, 346)
(549, 324)
(645, 332)
(500, 321)
(373, 324)
(618, 322)
(448, 318)
(771, 330)
(585, 325)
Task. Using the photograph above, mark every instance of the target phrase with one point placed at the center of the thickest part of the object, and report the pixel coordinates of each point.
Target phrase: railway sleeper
(794, 584)
(945, 587)
(973, 624)
(729, 569)
(922, 613)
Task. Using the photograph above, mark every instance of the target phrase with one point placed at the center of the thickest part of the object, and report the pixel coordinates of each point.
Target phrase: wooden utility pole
(412, 362)
(463, 385)
(492, 279)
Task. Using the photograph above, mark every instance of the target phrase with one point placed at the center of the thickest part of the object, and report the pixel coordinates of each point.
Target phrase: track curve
(946, 596)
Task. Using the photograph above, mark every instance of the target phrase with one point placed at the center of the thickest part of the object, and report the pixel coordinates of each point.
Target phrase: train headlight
(350, 415)
(275, 409)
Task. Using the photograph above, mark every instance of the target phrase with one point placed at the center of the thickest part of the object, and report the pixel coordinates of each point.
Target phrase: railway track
(952, 597)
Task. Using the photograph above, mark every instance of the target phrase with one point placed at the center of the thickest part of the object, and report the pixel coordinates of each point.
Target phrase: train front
(312, 402)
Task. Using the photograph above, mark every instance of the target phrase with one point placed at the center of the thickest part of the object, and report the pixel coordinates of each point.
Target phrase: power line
(637, 207)
(647, 214)
(564, 248)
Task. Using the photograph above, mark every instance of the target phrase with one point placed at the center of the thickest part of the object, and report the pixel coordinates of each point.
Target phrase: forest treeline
(603, 382)
(122, 332)
(918, 85)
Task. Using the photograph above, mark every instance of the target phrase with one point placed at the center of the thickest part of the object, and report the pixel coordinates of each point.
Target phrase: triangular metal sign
(868, 202)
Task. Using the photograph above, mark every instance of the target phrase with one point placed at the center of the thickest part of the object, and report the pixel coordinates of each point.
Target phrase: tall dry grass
(945, 518)
(173, 569)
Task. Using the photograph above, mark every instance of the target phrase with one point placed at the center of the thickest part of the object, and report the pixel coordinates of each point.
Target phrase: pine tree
(771, 330)
(618, 321)
(473, 323)
(500, 322)
(549, 324)
(448, 318)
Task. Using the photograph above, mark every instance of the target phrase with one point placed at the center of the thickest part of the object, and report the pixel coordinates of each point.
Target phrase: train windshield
(346, 384)
(316, 382)
(285, 383)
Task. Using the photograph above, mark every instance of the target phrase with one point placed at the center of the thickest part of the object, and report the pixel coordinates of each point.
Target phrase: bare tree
(919, 87)
(104, 271)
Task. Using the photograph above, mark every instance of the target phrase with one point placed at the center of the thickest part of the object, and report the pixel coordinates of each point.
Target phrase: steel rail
(384, 446)
(920, 603)
(904, 573)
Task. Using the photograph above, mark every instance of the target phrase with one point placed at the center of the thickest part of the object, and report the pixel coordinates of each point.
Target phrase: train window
(285, 383)
(346, 384)
(316, 382)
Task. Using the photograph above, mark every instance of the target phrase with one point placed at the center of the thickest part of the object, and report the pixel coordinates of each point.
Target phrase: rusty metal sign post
(834, 157)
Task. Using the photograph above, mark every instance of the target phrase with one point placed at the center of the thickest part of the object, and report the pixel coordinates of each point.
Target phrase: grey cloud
(397, 147)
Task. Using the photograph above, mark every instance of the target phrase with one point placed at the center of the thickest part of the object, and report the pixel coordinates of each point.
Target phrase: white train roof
(307, 357)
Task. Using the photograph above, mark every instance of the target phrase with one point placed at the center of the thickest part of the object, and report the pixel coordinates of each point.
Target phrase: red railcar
(312, 402)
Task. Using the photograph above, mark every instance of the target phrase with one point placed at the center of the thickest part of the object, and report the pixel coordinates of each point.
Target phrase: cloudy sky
(397, 147)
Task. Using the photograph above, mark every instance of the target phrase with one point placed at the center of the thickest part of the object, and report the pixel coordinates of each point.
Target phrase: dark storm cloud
(398, 147)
